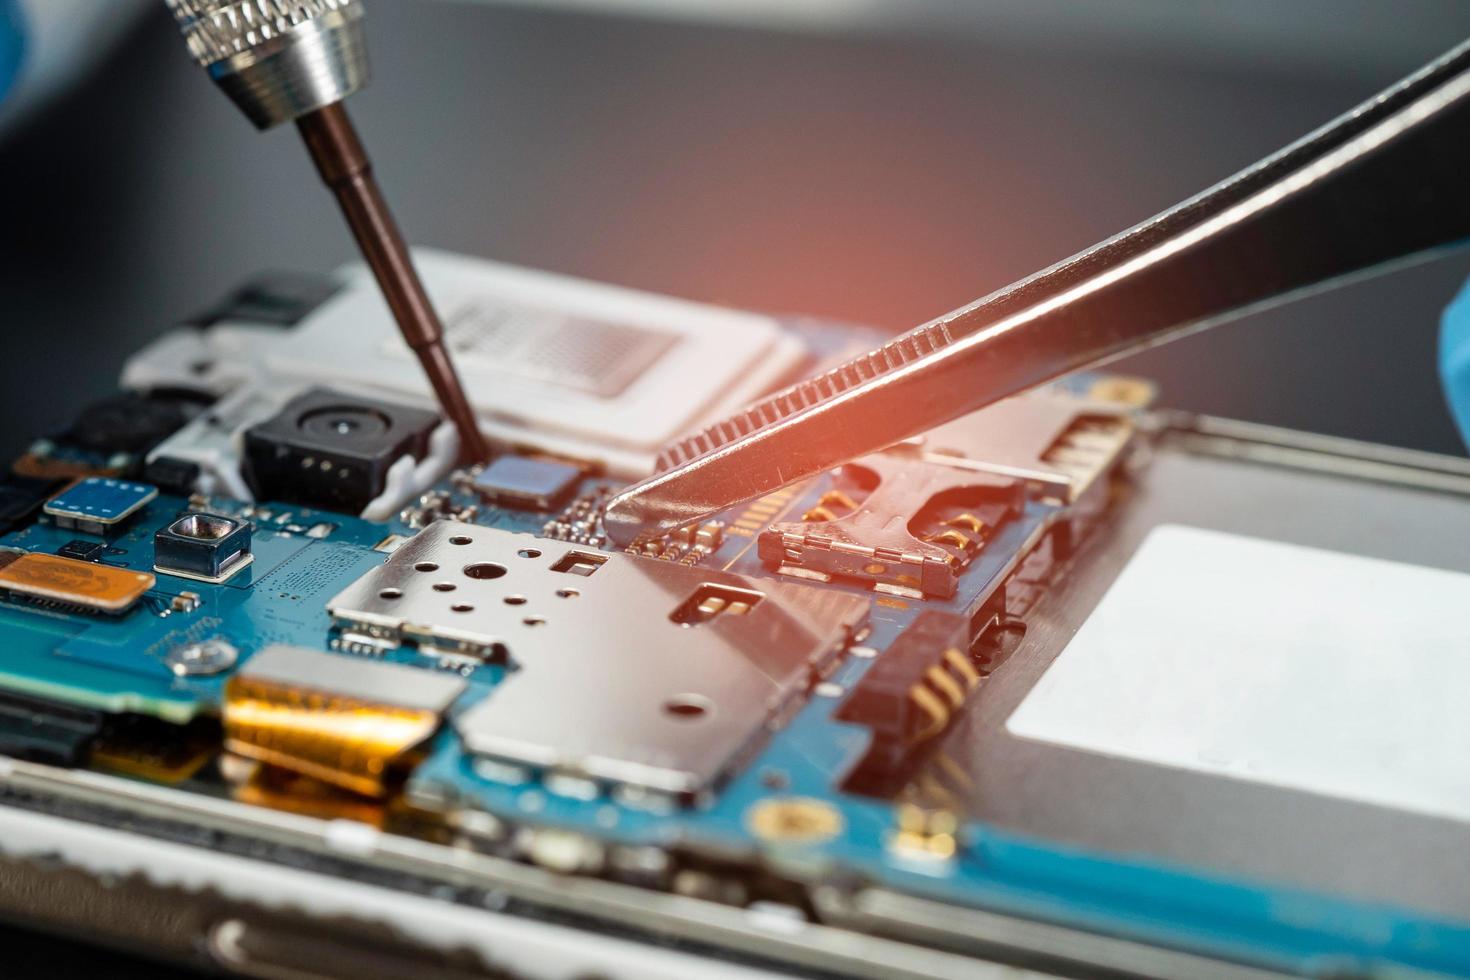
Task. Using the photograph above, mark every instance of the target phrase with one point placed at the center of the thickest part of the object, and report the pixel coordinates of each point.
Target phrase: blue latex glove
(1454, 359)
(12, 43)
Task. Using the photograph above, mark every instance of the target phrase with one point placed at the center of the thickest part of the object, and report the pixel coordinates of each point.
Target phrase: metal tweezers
(1386, 184)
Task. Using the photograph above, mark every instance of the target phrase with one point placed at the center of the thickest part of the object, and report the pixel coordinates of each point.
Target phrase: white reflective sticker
(1273, 663)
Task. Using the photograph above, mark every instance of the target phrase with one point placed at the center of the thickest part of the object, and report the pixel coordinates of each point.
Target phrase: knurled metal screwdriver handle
(296, 60)
(1378, 187)
(277, 59)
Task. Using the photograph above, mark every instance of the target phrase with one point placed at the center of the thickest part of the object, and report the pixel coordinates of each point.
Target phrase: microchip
(98, 504)
(82, 550)
(172, 475)
(51, 578)
(526, 483)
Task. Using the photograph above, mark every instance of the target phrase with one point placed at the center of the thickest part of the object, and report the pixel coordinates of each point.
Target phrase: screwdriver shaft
(344, 165)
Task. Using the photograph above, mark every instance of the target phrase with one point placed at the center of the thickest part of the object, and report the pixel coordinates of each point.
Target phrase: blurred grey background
(872, 160)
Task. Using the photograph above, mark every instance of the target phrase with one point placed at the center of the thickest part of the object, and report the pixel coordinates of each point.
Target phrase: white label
(1273, 663)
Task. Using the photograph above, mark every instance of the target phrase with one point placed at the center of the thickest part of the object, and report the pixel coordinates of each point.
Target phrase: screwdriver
(296, 60)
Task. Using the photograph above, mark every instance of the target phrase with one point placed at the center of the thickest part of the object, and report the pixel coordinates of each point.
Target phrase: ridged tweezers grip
(773, 408)
(1372, 190)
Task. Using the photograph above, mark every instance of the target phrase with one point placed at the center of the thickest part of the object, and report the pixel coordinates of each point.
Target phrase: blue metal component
(1454, 359)
(98, 503)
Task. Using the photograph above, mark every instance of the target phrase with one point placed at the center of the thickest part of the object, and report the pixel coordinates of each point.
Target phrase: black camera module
(333, 451)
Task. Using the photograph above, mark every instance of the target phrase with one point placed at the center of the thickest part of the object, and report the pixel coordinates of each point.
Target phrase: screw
(206, 657)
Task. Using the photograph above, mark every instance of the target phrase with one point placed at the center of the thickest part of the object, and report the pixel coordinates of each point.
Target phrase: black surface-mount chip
(170, 475)
(82, 550)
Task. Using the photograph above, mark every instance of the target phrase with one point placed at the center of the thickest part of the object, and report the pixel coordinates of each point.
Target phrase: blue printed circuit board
(797, 777)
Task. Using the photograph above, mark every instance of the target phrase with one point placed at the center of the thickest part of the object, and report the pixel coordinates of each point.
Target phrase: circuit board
(754, 710)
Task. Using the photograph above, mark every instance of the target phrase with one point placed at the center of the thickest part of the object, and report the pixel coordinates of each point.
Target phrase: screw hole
(485, 570)
(443, 586)
(390, 594)
(688, 707)
(462, 607)
(534, 620)
(529, 553)
(426, 566)
(515, 600)
(568, 593)
(461, 539)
